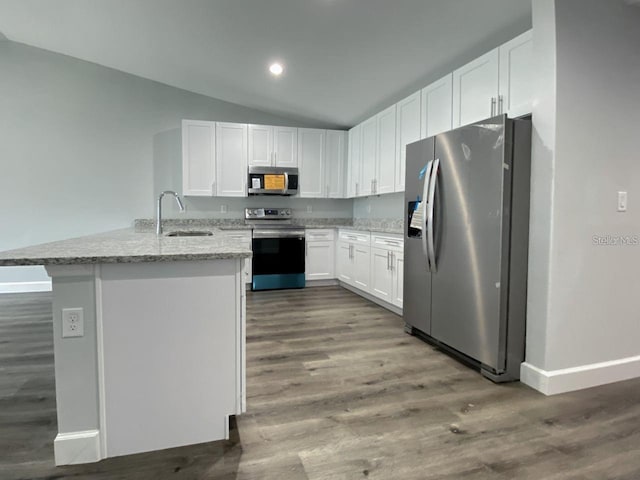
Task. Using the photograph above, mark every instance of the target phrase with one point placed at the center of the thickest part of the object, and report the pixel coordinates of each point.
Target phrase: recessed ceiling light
(276, 69)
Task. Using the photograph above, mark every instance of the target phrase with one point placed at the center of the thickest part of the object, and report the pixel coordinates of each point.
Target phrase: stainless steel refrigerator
(466, 243)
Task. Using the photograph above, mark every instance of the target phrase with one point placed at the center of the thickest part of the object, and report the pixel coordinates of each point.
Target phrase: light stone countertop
(127, 246)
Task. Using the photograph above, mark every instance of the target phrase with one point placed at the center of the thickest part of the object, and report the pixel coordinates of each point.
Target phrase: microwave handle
(286, 182)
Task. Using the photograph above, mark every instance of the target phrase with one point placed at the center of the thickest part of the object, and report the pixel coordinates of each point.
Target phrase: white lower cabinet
(353, 258)
(344, 267)
(373, 263)
(387, 267)
(381, 277)
(320, 255)
(242, 238)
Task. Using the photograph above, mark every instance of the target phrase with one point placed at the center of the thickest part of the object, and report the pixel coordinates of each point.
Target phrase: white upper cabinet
(498, 82)
(516, 76)
(437, 104)
(354, 162)
(335, 153)
(285, 146)
(369, 153)
(260, 146)
(311, 159)
(385, 179)
(407, 131)
(475, 89)
(231, 160)
(273, 146)
(198, 158)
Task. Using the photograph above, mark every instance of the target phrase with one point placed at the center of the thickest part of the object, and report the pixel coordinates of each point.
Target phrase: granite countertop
(378, 225)
(127, 246)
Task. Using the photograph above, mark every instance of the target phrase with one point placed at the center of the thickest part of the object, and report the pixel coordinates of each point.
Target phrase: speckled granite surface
(383, 225)
(146, 224)
(127, 246)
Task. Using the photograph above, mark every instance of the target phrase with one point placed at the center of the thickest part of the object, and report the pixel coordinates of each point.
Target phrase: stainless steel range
(278, 249)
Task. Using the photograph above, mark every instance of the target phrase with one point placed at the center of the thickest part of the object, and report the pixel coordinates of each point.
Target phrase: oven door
(278, 259)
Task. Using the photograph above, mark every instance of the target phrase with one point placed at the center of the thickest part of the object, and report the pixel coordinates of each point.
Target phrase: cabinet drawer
(319, 235)
(388, 241)
(355, 236)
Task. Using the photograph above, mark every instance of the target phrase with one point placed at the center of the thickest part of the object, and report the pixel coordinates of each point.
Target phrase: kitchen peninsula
(149, 335)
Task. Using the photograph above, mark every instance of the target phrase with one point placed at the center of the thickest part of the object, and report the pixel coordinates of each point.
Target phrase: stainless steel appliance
(273, 181)
(466, 242)
(278, 249)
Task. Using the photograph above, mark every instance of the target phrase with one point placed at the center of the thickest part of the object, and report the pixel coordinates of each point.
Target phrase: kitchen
(111, 184)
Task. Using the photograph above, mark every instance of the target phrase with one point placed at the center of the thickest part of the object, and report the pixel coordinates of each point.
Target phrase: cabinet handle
(393, 260)
(213, 188)
(493, 106)
(306, 249)
(500, 104)
(275, 158)
(357, 185)
(327, 191)
(388, 260)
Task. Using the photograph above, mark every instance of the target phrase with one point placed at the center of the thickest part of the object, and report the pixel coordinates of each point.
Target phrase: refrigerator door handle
(425, 194)
(432, 197)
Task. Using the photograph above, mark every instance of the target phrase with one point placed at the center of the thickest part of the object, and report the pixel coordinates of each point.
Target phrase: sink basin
(189, 233)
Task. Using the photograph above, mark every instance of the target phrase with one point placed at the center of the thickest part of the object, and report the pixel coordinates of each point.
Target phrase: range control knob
(288, 212)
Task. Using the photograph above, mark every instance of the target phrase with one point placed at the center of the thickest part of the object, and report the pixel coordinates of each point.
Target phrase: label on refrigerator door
(417, 219)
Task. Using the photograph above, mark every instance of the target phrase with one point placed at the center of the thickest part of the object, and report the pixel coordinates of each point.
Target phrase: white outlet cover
(72, 322)
(622, 201)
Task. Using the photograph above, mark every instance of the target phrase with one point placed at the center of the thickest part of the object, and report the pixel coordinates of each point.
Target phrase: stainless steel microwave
(273, 181)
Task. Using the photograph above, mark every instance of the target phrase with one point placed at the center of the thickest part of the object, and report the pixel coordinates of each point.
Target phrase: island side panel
(170, 352)
(75, 367)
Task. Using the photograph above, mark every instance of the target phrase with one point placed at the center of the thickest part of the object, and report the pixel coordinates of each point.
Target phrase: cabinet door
(398, 278)
(368, 150)
(334, 163)
(475, 89)
(361, 266)
(198, 158)
(344, 263)
(311, 158)
(385, 179)
(516, 76)
(407, 131)
(260, 146)
(437, 100)
(381, 274)
(285, 146)
(231, 159)
(320, 260)
(354, 162)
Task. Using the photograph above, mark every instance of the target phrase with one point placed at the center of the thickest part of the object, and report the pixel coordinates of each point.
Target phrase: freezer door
(417, 277)
(471, 219)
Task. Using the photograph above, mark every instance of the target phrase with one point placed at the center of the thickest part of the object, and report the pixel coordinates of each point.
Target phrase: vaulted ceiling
(343, 59)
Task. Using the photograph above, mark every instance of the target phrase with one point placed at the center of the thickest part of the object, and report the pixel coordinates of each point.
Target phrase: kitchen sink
(189, 233)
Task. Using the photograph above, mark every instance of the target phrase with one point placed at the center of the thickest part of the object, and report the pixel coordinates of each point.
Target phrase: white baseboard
(25, 287)
(576, 378)
(77, 447)
(321, 283)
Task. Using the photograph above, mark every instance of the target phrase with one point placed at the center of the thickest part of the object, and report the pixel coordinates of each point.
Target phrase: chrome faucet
(159, 215)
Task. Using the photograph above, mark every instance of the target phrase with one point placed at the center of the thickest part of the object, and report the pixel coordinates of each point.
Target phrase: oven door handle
(276, 233)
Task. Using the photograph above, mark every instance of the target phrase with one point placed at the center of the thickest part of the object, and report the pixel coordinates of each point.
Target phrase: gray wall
(85, 148)
(583, 297)
(389, 205)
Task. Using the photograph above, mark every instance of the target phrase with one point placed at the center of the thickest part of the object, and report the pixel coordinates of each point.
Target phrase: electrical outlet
(72, 322)
(309, 209)
(368, 208)
(223, 209)
(622, 201)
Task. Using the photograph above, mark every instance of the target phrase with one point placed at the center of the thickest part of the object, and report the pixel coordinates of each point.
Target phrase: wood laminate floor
(336, 390)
